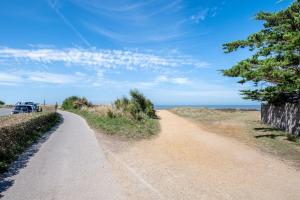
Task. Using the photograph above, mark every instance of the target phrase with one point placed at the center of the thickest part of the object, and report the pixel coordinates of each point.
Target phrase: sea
(246, 107)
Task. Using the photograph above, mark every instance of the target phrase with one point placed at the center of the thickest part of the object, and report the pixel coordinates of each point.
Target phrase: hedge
(15, 138)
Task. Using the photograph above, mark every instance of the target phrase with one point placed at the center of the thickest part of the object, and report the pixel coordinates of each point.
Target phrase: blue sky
(171, 50)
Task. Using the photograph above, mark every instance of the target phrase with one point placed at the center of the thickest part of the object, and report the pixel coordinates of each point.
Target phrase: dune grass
(119, 125)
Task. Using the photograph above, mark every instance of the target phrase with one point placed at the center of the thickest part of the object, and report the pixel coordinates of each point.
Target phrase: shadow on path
(6, 180)
(266, 129)
(272, 136)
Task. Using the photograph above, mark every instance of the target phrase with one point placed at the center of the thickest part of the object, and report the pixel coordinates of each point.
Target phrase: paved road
(70, 164)
(5, 111)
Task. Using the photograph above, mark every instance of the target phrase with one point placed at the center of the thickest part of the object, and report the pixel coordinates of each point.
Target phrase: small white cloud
(180, 80)
(205, 13)
(202, 64)
(200, 16)
(161, 78)
(173, 80)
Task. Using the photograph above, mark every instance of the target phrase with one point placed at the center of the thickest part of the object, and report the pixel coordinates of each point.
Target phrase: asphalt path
(67, 163)
(5, 111)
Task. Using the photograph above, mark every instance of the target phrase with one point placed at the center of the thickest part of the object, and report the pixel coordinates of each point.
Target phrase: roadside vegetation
(246, 127)
(18, 132)
(2, 103)
(132, 117)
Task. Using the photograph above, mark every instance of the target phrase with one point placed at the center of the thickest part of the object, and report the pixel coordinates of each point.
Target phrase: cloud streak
(22, 77)
(101, 58)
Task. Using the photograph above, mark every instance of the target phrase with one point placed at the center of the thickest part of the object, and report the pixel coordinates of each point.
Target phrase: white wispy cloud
(200, 16)
(53, 5)
(24, 77)
(203, 14)
(173, 80)
(54, 78)
(103, 58)
(7, 78)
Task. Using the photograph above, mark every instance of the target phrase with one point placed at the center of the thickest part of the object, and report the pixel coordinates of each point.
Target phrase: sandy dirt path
(186, 162)
(68, 165)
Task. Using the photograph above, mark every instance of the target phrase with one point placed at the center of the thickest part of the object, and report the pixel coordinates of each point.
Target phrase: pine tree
(274, 66)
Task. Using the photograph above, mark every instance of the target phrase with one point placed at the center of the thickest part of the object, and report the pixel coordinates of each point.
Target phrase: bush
(138, 106)
(1, 103)
(15, 137)
(75, 102)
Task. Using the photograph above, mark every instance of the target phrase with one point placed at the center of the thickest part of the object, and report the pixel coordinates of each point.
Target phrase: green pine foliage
(274, 67)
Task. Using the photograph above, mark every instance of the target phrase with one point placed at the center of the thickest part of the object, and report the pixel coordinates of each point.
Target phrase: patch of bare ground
(187, 162)
(246, 127)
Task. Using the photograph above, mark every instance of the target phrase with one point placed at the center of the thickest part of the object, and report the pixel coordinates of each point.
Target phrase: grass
(123, 126)
(17, 132)
(246, 127)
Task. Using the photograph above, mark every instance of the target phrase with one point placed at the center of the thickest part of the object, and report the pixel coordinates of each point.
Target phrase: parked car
(23, 109)
(34, 105)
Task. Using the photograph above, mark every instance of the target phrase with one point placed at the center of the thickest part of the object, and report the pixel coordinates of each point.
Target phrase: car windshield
(23, 108)
(18, 107)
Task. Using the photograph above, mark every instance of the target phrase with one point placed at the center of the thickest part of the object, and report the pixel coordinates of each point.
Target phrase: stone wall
(285, 116)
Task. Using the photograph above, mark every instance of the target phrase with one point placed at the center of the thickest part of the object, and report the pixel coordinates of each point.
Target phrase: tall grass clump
(137, 106)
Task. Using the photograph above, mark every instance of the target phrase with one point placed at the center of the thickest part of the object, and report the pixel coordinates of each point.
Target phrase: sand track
(186, 162)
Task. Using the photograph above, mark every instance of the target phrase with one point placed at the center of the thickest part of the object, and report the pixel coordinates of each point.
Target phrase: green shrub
(68, 103)
(1, 103)
(16, 137)
(138, 106)
(75, 102)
